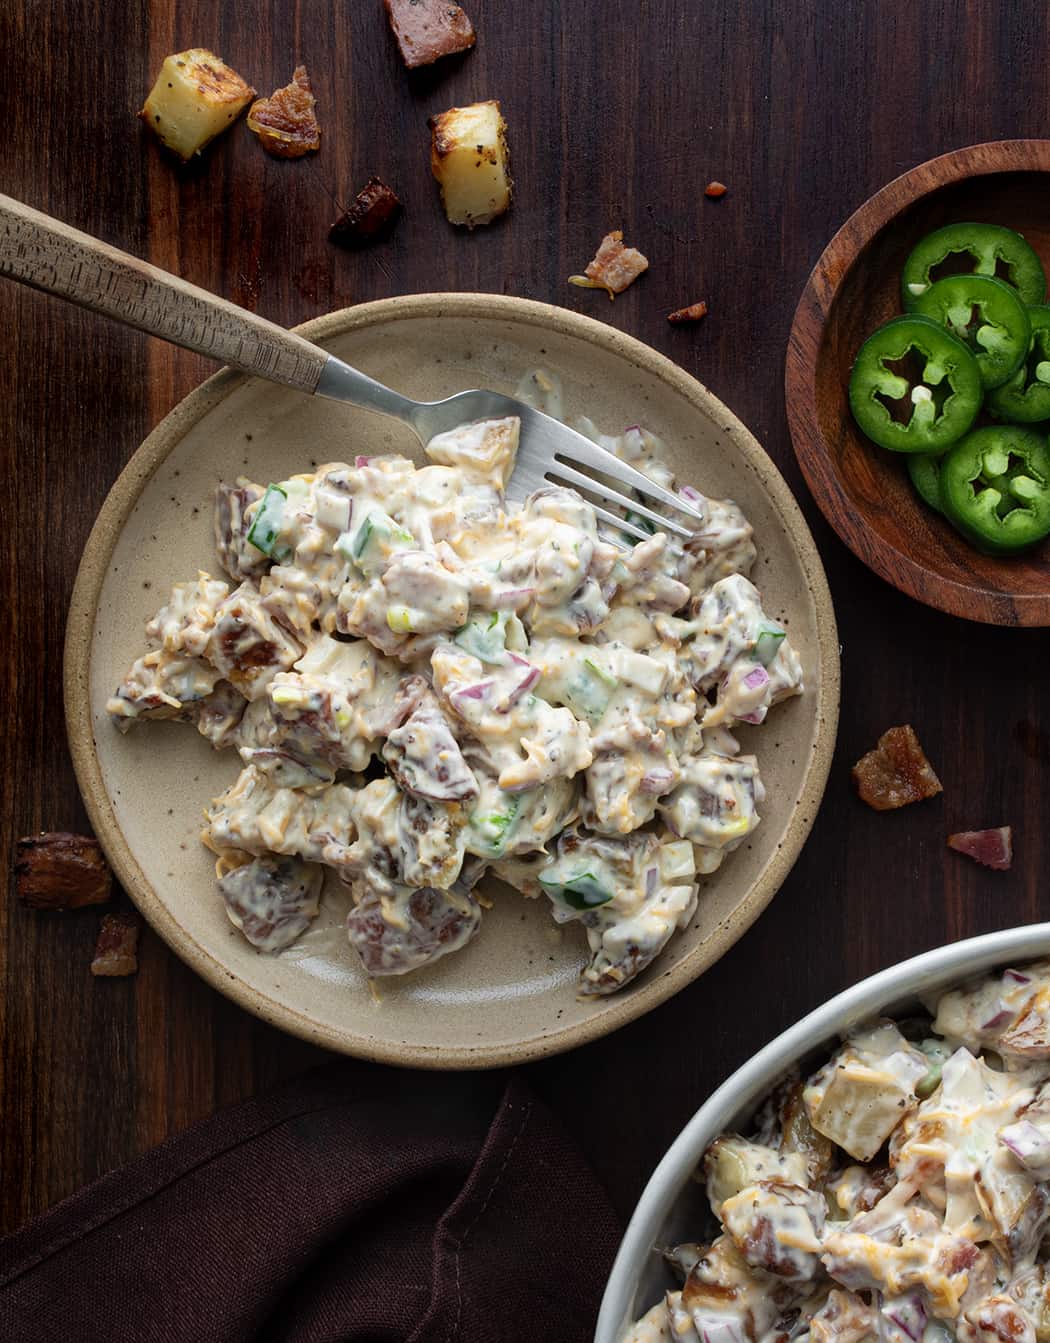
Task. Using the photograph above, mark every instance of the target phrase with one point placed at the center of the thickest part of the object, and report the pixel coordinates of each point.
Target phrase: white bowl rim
(927, 970)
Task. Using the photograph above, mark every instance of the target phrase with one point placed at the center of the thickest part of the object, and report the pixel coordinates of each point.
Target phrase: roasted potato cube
(777, 1227)
(733, 1163)
(799, 1136)
(468, 155)
(859, 1096)
(196, 97)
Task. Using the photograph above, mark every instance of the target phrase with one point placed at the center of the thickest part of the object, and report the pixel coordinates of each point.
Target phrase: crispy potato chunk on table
(468, 156)
(196, 97)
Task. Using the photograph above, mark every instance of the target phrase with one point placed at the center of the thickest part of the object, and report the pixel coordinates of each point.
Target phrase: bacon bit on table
(426, 30)
(286, 123)
(693, 313)
(614, 266)
(993, 848)
(896, 772)
(370, 217)
(715, 189)
(116, 951)
(61, 871)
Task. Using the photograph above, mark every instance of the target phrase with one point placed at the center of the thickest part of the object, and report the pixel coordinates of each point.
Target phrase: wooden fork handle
(46, 254)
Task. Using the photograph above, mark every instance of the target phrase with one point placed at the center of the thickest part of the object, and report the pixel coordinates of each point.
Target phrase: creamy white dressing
(426, 680)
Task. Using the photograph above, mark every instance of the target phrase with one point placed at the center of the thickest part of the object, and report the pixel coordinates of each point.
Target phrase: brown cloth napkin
(345, 1207)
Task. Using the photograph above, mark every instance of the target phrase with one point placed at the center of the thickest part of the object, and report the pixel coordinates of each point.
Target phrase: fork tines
(602, 490)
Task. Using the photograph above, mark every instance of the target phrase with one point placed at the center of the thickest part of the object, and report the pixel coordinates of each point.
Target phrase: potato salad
(900, 1193)
(427, 681)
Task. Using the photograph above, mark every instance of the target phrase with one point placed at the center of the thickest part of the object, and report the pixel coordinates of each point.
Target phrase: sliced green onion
(485, 639)
(266, 525)
(639, 521)
(377, 527)
(928, 1084)
(494, 828)
(582, 891)
(603, 674)
(767, 645)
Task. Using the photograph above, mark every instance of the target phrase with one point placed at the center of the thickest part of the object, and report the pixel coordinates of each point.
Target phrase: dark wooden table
(619, 112)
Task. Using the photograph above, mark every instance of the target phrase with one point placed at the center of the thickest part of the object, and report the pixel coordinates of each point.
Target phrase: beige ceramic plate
(509, 996)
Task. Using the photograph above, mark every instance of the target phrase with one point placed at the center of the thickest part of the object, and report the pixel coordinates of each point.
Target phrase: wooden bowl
(864, 491)
(511, 995)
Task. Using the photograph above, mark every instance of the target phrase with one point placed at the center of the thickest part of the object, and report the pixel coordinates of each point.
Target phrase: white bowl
(673, 1205)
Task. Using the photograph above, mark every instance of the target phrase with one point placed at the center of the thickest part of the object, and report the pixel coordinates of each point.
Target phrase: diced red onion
(656, 781)
(361, 461)
(1017, 977)
(512, 596)
(909, 1315)
(759, 716)
(1030, 1145)
(516, 657)
(718, 1329)
(477, 691)
(1002, 1018)
(633, 429)
(526, 683)
(757, 677)
(650, 880)
(687, 492)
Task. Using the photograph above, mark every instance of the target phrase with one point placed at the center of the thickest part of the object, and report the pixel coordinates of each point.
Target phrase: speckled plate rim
(613, 1012)
(892, 564)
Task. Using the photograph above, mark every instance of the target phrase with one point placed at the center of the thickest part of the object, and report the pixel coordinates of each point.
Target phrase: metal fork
(46, 254)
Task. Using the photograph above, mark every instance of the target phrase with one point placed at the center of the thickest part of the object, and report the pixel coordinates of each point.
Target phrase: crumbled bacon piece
(426, 30)
(693, 313)
(1028, 1037)
(286, 122)
(896, 772)
(614, 266)
(715, 189)
(116, 951)
(61, 871)
(993, 848)
(370, 217)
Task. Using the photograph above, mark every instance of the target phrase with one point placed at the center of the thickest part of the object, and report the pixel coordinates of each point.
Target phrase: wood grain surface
(619, 112)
